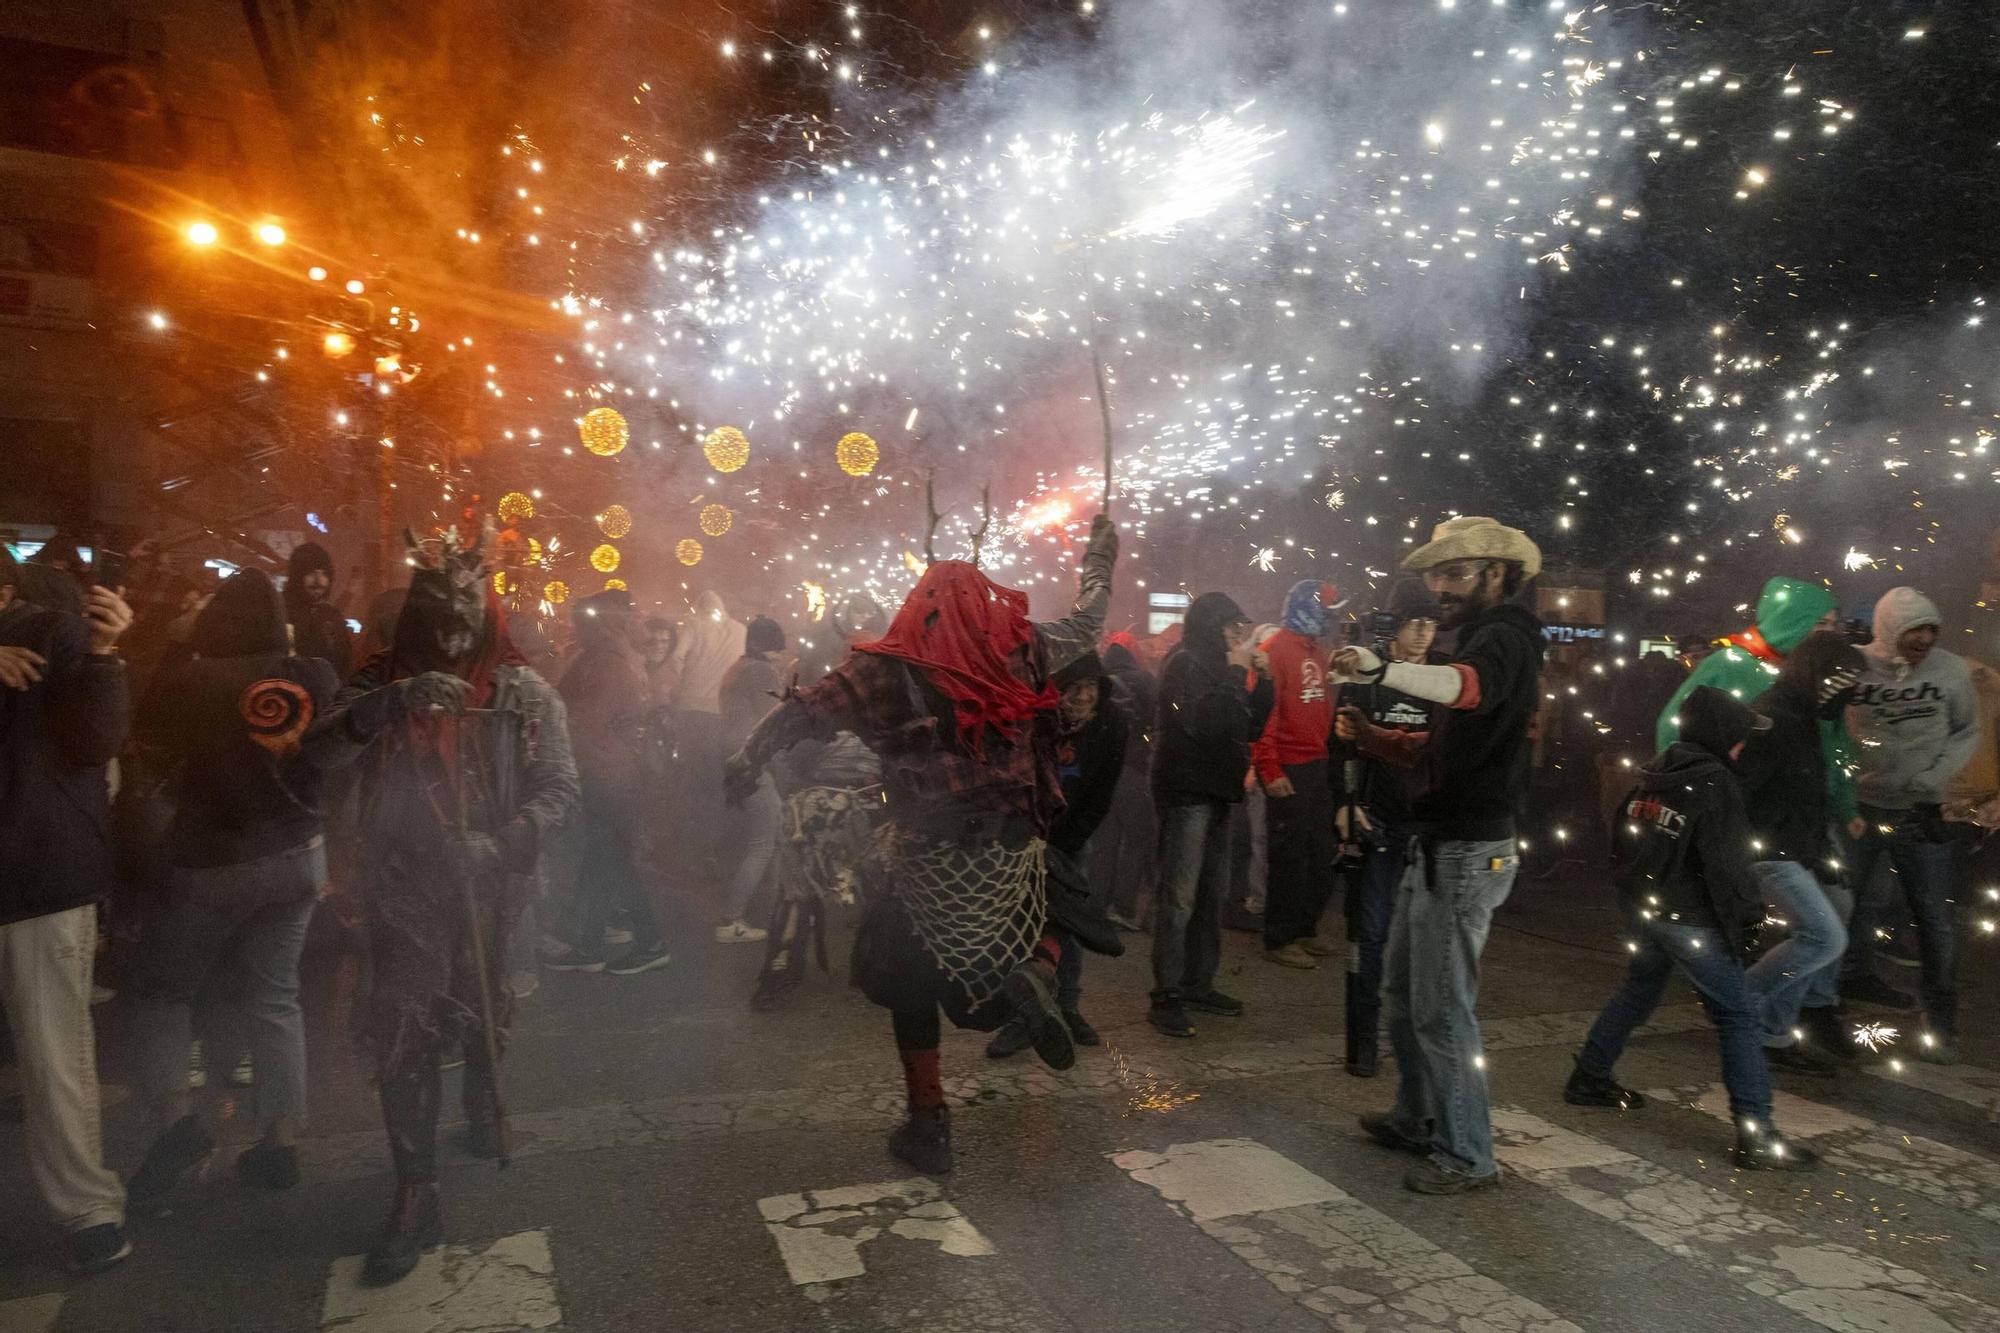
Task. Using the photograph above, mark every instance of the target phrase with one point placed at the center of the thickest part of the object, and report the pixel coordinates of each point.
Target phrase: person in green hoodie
(1747, 664)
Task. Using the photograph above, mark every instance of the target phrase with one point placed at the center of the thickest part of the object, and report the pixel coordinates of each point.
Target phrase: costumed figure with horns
(958, 702)
(464, 768)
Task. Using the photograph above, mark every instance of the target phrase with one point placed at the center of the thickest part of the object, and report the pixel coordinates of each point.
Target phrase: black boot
(1587, 1089)
(1029, 990)
(924, 1141)
(1363, 1017)
(1768, 1150)
(1828, 1034)
(1080, 1029)
(414, 1226)
(268, 1164)
(184, 1146)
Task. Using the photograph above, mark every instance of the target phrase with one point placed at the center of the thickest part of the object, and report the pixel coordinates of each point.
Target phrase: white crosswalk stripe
(1353, 1266)
(1924, 1167)
(1960, 1083)
(1836, 1286)
(820, 1232)
(510, 1285)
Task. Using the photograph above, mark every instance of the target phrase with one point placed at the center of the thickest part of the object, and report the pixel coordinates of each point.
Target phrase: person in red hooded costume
(957, 699)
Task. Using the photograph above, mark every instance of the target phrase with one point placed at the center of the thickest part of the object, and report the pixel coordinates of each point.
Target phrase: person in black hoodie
(1091, 736)
(1208, 715)
(1122, 851)
(318, 628)
(1682, 853)
(64, 710)
(247, 853)
(1798, 864)
(1462, 857)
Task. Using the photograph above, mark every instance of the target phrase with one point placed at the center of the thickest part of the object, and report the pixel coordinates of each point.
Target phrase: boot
(1011, 1039)
(414, 1226)
(1587, 1089)
(1030, 991)
(1828, 1034)
(1363, 1004)
(924, 1141)
(1080, 1029)
(1768, 1150)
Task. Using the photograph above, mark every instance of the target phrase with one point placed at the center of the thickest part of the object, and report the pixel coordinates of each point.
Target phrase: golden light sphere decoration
(857, 454)
(556, 592)
(688, 551)
(726, 448)
(504, 583)
(616, 585)
(604, 431)
(516, 507)
(615, 521)
(604, 559)
(715, 519)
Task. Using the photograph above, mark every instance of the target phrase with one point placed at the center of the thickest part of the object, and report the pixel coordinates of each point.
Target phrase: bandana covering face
(1306, 605)
(961, 629)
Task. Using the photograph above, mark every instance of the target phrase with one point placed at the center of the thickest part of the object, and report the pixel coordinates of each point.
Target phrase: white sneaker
(197, 1075)
(243, 1075)
(739, 932)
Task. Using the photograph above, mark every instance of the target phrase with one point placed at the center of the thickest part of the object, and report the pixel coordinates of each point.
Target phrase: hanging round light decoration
(615, 585)
(615, 521)
(715, 519)
(688, 551)
(556, 592)
(516, 507)
(604, 431)
(504, 583)
(726, 448)
(857, 454)
(604, 559)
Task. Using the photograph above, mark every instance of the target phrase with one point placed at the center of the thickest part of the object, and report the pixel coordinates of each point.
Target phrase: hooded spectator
(749, 690)
(318, 628)
(709, 645)
(1291, 763)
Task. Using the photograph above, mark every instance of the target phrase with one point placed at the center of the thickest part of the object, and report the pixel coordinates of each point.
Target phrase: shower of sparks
(1875, 1036)
(1148, 1091)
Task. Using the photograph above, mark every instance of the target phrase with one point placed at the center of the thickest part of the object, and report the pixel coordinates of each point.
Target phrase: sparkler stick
(985, 521)
(1104, 411)
(931, 514)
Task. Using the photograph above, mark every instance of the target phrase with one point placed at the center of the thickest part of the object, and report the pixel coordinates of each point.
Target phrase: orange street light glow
(201, 233)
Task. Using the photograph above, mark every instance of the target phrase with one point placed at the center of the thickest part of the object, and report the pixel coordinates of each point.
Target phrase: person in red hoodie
(1291, 762)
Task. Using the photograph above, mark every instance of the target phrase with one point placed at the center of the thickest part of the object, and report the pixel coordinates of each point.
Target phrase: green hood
(1789, 609)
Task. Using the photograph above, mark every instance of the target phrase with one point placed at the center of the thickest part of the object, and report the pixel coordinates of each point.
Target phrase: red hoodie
(1302, 718)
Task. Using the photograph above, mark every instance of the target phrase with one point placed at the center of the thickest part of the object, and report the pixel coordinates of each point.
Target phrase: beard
(1454, 610)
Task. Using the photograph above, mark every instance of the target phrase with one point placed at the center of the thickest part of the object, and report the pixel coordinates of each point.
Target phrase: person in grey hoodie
(1916, 718)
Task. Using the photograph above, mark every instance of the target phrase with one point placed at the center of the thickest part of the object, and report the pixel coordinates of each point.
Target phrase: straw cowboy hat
(1474, 538)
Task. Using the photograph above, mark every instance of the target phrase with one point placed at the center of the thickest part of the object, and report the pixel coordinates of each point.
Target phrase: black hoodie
(318, 628)
(1681, 850)
(1090, 759)
(1783, 770)
(228, 724)
(1476, 764)
(1207, 717)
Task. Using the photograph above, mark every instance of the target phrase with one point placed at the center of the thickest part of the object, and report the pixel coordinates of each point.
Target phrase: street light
(270, 233)
(338, 343)
(201, 233)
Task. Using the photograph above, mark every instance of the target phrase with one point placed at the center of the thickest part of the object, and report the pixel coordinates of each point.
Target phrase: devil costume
(464, 767)
(957, 701)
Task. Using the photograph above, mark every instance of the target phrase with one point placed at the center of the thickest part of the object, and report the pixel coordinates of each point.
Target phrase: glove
(436, 692)
(739, 778)
(1103, 542)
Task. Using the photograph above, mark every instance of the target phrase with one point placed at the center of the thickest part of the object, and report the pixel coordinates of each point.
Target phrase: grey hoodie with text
(1915, 726)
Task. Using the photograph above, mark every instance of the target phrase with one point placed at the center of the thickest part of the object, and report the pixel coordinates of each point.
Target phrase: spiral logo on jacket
(277, 712)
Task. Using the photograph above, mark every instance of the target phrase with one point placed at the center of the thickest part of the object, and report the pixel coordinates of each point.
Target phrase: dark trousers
(1123, 848)
(1302, 844)
(1371, 901)
(1193, 875)
(1923, 868)
(609, 889)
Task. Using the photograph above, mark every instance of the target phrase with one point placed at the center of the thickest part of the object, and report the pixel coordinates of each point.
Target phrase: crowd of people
(996, 796)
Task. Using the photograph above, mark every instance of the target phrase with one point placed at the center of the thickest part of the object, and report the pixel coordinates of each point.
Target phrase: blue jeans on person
(230, 942)
(1192, 876)
(1703, 955)
(1923, 868)
(1803, 971)
(1430, 989)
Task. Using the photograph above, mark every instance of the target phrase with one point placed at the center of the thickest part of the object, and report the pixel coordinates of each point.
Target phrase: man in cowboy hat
(1461, 855)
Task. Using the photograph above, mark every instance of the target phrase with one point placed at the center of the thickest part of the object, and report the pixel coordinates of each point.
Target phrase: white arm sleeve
(1439, 684)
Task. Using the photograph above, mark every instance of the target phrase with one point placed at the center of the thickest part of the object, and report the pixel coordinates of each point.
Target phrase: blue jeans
(1704, 957)
(1803, 971)
(1193, 874)
(1430, 987)
(1923, 868)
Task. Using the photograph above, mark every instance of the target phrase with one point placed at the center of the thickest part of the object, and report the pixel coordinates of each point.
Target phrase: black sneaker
(1382, 1128)
(268, 1165)
(1213, 1001)
(639, 958)
(1587, 1089)
(1874, 990)
(1080, 1029)
(184, 1146)
(94, 1249)
(1768, 1150)
(1033, 1000)
(1828, 1034)
(924, 1141)
(415, 1225)
(1797, 1059)
(1366, 1062)
(1011, 1039)
(1169, 1016)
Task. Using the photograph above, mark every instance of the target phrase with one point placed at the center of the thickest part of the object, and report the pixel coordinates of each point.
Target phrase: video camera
(1374, 629)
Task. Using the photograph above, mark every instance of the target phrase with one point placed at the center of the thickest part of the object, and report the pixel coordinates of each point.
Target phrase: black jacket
(1783, 772)
(1091, 762)
(1133, 688)
(56, 737)
(1476, 765)
(1381, 788)
(1206, 718)
(1681, 851)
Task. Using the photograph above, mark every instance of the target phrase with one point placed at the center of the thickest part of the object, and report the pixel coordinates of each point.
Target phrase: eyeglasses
(1456, 573)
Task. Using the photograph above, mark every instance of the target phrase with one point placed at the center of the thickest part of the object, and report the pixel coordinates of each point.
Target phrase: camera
(1374, 629)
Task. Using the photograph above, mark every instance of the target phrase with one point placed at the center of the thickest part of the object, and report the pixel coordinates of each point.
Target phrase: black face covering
(1826, 668)
(1837, 689)
(444, 619)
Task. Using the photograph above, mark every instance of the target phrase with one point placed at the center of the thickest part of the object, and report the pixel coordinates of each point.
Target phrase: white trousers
(45, 986)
